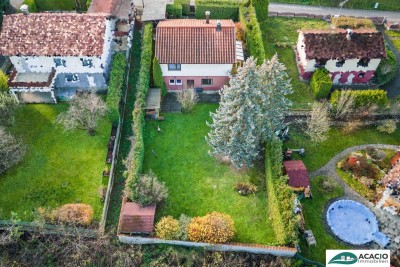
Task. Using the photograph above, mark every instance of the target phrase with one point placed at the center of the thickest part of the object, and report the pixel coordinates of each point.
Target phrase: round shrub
(245, 188)
(213, 228)
(387, 126)
(167, 228)
(321, 83)
(150, 190)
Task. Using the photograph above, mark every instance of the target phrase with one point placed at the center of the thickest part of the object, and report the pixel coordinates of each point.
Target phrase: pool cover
(354, 223)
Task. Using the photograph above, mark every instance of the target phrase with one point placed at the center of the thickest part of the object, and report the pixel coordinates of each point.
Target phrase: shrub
(31, 5)
(167, 228)
(188, 99)
(387, 126)
(328, 184)
(149, 190)
(174, 11)
(246, 188)
(185, 6)
(69, 214)
(8, 104)
(11, 151)
(158, 77)
(376, 154)
(351, 126)
(219, 9)
(114, 94)
(213, 228)
(361, 168)
(363, 98)
(352, 23)
(261, 7)
(387, 68)
(3, 81)
(321, 83)
(184, 222)
(142, 86)
(254, 41)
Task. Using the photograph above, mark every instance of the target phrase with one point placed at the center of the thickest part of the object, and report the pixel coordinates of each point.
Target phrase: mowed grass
(59, 167)
(318, 154)
(313, 212)
(395, 38)
(197, 183)
(280, 36)
(68, 5)
(356, 4)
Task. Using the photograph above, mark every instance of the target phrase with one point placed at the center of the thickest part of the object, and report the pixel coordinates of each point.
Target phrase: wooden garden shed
(137, 219)
(297, 173)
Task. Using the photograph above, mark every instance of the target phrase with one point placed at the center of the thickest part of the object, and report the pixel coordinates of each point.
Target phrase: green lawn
(60, 167)
(313, 209)
(69, 5)
(395, 38)
(198, 184)
(280, 36)
(356, 4)
(319, 154)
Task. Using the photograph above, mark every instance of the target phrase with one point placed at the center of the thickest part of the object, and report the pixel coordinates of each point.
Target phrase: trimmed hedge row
(321, 83)
(142, 88)
(174, 10)
(280, 196)
(363, 98)
(114, 94)
(261, 7)
(253, 33)
(219, 9)
(158, 78)
(185, 6)
(352, 23)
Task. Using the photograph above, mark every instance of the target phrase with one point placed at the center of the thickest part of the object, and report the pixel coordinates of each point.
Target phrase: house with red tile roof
(55, 54)
(350, 56)
(196, 53)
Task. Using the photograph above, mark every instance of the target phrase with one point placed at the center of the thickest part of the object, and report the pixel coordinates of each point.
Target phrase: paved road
(316, 10)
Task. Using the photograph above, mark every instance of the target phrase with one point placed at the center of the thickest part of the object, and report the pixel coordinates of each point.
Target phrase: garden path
(389, 224)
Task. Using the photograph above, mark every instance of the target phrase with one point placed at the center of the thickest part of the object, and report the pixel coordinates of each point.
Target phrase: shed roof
(53, 34)
(192, 41)
(297, 172)
(332, 44)
(137, 219)
(153, 99)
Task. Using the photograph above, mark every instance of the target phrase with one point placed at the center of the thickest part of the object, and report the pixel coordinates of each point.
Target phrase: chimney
(25, 9)
(207, 17)
(219, 27)
(349, 34)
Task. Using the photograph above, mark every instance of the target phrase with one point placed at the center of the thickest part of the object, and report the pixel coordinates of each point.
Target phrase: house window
(361, 75)
(60, 62)
(340, 62)
(363, 62)
(178, 82)
(171, 82)
(321, 62)
(174, 66)
(206, 81)
(87, 62)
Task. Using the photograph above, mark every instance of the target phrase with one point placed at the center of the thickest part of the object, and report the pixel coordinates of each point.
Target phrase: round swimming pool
(354, 223)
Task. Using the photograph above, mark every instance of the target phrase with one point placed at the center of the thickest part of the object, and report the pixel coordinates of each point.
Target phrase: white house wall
(349, 65)
(198, 70)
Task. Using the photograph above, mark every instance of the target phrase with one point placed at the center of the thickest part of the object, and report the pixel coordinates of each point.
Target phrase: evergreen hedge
(261, 7)
(142, 88)
(363, 98)
(174, 10)
(219, 9)
(185, 6)
(280, 196)
(387, 68)
(321, 83)
(114, 94)
(253, 33)
(158, 78)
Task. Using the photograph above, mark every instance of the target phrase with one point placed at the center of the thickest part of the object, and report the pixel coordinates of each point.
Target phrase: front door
(190, 84)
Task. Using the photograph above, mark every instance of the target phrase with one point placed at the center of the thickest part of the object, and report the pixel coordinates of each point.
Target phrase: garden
(357, 4)
(197, 183)
(59, 167)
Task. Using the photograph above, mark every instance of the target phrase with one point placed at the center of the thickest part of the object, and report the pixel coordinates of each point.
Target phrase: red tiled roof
(137, 219)
(53, 34)
(102, 6)
(328, 44)
(190, 41)
(297, 172)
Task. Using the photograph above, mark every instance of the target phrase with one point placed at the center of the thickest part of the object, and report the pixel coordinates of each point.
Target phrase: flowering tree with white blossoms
(252, 108)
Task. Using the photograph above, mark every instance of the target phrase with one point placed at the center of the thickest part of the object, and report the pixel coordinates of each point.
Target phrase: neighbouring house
(298, 175)
(56, 54)
(196, 53)
(135, 219)
(350, 56)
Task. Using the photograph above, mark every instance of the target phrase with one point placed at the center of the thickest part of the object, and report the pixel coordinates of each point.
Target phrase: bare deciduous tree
(84, 112)
(344, 107)
(11, 151)
(187, 98)
(318, 124)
